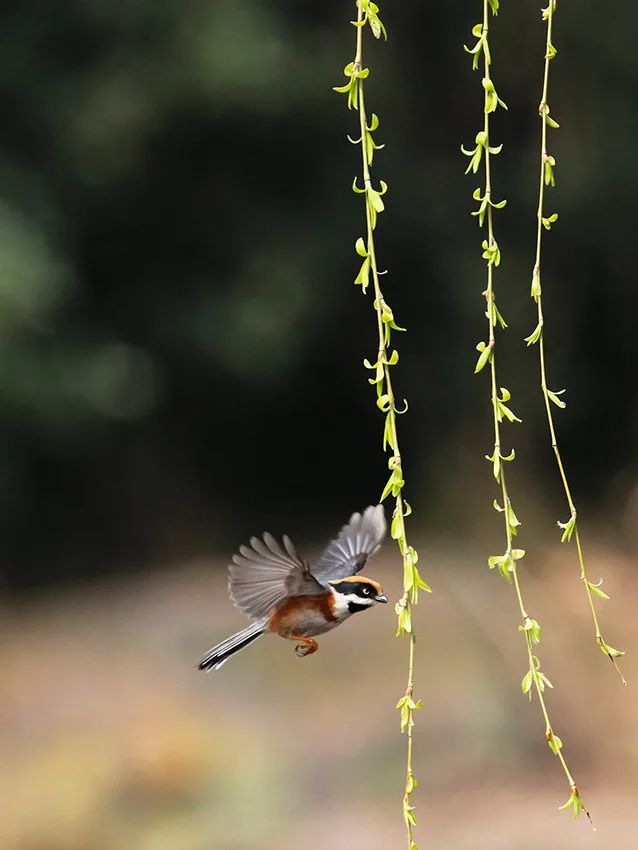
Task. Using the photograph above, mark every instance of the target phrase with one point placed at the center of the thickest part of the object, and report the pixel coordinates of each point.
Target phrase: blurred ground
(177, 230)
(110, 739)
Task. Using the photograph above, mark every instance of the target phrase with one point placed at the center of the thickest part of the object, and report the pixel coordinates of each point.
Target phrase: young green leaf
(568, 528)
(575, 803)
(555, 743)
(610, 650)
(595, 588)
(526, 684)
(360, 247)
(535, 290)
(484, 356)
(553, 396)
(547, 222)
(535, 334)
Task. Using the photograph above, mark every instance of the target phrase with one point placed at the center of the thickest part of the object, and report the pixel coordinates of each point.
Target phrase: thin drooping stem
(507, 563)
(546, 177)
(391, 414)
(367, 13)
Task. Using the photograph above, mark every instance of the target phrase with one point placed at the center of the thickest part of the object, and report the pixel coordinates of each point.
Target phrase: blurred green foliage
(177, 320)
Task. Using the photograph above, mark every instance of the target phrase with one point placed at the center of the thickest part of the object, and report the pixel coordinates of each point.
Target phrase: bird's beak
(382, 598)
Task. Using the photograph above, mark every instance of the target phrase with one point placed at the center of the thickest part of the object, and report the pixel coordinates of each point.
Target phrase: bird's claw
(307, 647)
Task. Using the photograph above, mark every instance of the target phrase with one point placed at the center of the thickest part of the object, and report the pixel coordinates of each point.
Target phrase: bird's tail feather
(219, 654)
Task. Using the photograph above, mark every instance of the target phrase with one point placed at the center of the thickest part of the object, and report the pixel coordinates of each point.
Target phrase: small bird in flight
(284, 595)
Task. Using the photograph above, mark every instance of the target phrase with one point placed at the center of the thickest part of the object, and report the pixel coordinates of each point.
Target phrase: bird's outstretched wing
(265, 573)
(357, 541)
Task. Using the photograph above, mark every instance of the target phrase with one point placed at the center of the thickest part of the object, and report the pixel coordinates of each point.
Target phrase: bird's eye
(366, 591)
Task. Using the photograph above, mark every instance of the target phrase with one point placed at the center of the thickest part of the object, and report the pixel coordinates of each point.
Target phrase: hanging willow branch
(507, 563)
(537, 337)
(368, 14)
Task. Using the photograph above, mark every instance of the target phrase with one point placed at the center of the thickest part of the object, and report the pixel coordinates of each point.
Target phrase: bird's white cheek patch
(342, 604)
(340, 608)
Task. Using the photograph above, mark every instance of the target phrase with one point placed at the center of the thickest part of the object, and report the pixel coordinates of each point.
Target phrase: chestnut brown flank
(291, 609)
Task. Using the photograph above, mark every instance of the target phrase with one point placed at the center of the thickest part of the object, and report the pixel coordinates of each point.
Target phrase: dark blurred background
(181, 342)
(181, 366)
